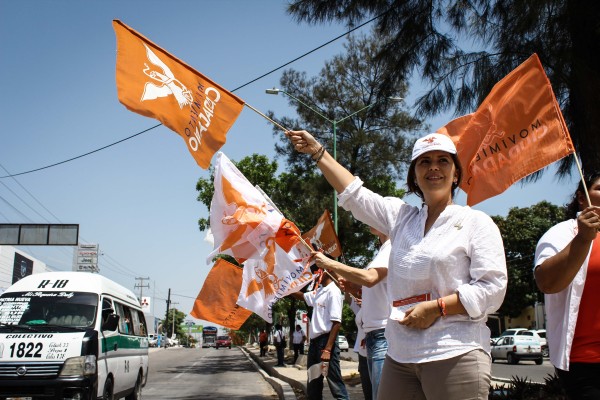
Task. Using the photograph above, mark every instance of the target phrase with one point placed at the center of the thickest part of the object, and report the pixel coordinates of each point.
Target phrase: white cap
(431, 142)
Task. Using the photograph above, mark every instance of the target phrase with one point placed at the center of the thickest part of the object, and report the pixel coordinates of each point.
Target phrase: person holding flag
(323, 350)
(567, 271)
(371, 283)
(447, 272)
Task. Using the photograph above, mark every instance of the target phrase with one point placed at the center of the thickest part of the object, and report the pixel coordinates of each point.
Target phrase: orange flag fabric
(154, 83)
(217, 299)
(516, 131)
(324, 237)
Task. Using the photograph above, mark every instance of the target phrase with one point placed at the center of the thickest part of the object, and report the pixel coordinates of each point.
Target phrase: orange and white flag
(241, 218)
(517, 130)
(263, 284)
(323, 236)
(154, 83)
(216, 301)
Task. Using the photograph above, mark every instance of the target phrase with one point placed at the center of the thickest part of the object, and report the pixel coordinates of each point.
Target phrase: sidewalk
(296, 376)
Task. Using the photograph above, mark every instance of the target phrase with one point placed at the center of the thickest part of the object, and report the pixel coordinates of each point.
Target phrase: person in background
(360, 348)
(326, 301)
(446, 273)
(369, 284)
(298, 340)
(567, 271)
(279, 342)
(263, 342)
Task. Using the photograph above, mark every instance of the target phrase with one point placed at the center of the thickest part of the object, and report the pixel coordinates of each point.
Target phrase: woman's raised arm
(337, 176)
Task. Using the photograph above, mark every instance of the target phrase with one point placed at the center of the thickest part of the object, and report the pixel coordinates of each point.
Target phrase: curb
(283, 387)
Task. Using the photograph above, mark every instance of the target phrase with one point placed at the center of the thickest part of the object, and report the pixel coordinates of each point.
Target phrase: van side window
(142, 324)
(107, 309)
(136, 322)
(123, 312)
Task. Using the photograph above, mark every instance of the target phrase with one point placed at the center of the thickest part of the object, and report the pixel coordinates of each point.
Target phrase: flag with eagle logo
(154, 83)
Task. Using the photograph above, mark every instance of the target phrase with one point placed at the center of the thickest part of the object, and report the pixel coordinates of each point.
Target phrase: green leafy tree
(462, 48)
(521, 229)
(179, 317)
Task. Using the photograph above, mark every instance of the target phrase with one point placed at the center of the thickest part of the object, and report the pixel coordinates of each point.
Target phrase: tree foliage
(168, 323)
(521, 229)
(462, 48)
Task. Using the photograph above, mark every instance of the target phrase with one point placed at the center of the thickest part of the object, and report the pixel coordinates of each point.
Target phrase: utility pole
(168, 304)
(173, 318)
(141, 285)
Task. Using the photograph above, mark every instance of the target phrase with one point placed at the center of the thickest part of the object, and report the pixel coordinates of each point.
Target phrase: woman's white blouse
(462, 252)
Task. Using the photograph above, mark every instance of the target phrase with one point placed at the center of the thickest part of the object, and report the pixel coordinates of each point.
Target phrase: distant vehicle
(223, 341)
(515, 348)
(209, 336)
(540, 334)
(342, 343)
(172, 341)
(152, 340)
(73, 335)
(512, 331)
(508, 332)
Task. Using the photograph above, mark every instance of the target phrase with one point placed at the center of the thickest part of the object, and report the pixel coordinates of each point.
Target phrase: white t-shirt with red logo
(327, 307)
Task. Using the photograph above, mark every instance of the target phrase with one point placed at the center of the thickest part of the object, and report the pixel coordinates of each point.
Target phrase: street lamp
(335, 123)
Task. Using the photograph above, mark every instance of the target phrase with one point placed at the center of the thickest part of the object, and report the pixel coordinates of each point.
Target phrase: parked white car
(541, 335)
(508, 332)
(152, 340)
(516, 348)
(342, 343)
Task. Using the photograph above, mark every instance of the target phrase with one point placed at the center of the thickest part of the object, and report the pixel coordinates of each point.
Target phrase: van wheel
(107, 393)
(137, 390)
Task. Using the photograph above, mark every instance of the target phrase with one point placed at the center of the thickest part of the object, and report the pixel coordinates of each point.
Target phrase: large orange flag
(217, 299)
(153, 83)
(516, 131)
(324, 237)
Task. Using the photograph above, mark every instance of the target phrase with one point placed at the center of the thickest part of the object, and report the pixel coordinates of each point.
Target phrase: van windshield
(40, 309)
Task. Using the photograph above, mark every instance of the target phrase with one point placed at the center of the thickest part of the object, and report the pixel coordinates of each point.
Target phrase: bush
(523, 389)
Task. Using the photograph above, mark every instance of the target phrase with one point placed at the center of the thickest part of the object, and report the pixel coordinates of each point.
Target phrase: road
(180, 373)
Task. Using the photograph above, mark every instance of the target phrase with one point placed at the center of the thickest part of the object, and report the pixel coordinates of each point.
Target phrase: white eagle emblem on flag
(164, 83)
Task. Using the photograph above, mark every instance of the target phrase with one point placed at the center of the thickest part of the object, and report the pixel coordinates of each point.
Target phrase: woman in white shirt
(567, 270)
(446, 273)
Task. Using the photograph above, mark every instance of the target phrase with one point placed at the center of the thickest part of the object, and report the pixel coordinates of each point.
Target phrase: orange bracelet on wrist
(442, 306)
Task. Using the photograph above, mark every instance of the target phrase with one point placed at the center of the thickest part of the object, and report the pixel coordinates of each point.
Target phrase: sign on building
(85, 258)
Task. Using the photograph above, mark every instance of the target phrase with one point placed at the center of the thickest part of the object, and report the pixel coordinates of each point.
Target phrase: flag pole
(587, 194)
(277, 124)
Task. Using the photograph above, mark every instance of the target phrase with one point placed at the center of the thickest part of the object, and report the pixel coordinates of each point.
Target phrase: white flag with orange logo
(263, 286)
(241, 218)
(246, 226)
(154, 83)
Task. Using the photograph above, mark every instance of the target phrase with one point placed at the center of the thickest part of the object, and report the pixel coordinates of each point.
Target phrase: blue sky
(137, 199)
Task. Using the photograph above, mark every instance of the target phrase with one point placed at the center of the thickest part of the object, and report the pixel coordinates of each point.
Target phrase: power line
(237, 88)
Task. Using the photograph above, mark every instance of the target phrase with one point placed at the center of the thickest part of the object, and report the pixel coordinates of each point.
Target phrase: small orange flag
(153, 83)
(516, 131)
(324, 237)
(217, 299)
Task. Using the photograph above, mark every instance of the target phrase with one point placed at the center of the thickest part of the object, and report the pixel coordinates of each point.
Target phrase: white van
(71, 335)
